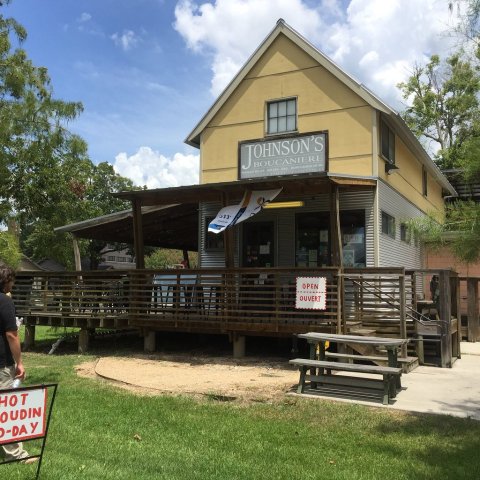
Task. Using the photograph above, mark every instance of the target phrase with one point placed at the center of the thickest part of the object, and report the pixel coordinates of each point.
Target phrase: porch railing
(381, 301)
(259, 301)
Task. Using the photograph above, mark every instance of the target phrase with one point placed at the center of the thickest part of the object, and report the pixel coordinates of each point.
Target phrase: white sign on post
(22, 414)
(311, 293)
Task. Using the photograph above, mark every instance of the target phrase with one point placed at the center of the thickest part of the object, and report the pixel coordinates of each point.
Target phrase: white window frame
(387, 135)
(389, 226)
(282, 114)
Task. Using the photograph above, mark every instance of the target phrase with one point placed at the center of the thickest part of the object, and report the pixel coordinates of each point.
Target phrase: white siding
(394, 252)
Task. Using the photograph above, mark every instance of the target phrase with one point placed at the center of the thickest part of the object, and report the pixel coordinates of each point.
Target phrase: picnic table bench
(321, 369)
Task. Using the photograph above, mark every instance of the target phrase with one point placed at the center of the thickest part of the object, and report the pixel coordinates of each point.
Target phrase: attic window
(388, 142)
(282, 116)
(424, 182)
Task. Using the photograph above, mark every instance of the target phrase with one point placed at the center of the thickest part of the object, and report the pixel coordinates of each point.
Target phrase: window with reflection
(313, 243)
(352, 223)
(312, 239)
(282, 116)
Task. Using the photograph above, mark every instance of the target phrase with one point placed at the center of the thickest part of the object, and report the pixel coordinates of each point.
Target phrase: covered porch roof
(166, 226)
(168, 217)
(294, 185)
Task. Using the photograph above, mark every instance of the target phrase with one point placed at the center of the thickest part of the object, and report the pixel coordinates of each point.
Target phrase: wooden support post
(472, 298)
(76, 254)
(335, 233)
(456, 312)
(83, 340)
(338, 230)
(403, 316)
(238, 346)
(186, 259)
(149, 341)
(420, 350)
(228, 240)
(341, 320)
(445, 309)
(138, 234)
(29, 341)
(229, 285)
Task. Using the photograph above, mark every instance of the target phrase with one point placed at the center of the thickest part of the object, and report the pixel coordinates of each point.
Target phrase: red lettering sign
(22, 415)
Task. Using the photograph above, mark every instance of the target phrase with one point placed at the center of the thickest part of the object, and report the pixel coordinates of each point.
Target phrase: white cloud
(230, 30)
(127, 40)
(84, 17)
(376, 41)
(379, 42)
(150, 168)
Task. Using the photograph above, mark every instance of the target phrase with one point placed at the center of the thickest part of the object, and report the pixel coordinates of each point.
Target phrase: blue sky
(147, 70)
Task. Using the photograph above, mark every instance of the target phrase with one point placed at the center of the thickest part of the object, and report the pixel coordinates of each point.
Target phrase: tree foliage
(444, 106)
(9, 250)
(460, 230)
(468, 15)
(444, 109)
(47, 178)
(165, 258)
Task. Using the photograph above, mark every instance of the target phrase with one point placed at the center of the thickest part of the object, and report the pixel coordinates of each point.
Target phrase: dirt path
(224, 378)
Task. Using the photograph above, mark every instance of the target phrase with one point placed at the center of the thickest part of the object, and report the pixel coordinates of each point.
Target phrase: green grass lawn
(101, 432)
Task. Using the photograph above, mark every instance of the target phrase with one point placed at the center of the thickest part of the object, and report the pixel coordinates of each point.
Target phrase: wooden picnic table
(320, 368)
(392, 345)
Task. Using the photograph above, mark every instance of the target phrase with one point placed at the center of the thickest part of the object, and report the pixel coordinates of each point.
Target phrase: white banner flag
(252, 203)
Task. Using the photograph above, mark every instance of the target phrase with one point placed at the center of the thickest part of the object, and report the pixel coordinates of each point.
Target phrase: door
(258, 244)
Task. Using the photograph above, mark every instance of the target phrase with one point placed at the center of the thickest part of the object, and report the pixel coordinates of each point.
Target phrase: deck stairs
(372, 354)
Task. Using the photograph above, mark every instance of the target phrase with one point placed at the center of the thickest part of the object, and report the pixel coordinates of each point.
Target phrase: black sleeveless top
(8, 323)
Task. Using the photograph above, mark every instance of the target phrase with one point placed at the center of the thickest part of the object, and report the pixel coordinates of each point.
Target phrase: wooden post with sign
(25, 414)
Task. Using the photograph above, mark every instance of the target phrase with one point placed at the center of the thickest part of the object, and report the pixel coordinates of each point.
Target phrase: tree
(468, 13)
(9, 250)
(87, 195)
(47, 178)
(444, 106)
(33, 137)
(166, 257)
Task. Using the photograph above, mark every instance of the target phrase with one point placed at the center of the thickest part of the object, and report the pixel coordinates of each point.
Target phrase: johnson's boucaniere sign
(283, 156)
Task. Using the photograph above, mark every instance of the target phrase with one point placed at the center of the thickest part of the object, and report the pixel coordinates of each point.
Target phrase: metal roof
(167, 226)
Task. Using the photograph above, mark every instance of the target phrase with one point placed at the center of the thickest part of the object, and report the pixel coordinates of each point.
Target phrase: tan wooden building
(350, 175)
(292, 118)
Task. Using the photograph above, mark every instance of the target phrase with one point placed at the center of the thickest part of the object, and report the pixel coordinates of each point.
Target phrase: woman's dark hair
(6, 275)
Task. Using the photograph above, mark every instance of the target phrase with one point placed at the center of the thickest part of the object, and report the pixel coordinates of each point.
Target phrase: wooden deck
(236, 301)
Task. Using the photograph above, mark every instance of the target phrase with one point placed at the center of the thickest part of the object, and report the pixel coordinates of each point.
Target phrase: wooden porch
(243, 302)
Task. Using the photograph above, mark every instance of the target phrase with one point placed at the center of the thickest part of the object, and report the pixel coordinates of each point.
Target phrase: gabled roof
(369, 97)
(282, 28)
